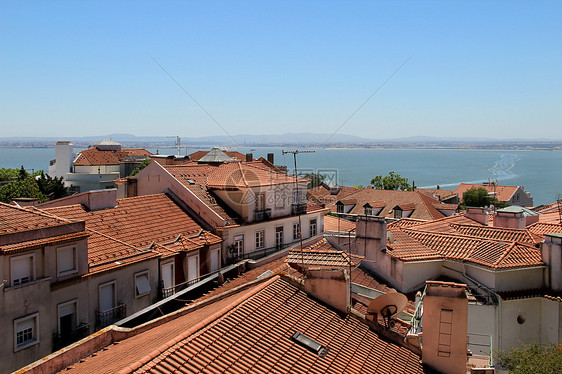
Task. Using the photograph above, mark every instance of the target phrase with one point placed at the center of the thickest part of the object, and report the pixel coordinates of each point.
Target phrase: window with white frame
(296, 230)
(259, 239)
(142, 284)
(239, 245)
(313, 227)
(26, 331)
(66, 260)
(22, 269)
(368, 211)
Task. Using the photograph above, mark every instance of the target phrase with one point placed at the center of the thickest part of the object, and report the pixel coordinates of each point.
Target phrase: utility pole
(178, 143)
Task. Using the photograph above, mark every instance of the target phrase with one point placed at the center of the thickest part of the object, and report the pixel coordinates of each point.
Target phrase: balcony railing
(262, 214)
(62, 340)
(109, 316)
(298, 209)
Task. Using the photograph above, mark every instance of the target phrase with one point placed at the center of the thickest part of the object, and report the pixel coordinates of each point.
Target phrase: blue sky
(479, 68)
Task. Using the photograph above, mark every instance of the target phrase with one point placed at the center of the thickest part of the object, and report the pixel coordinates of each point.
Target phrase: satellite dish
(388, 305)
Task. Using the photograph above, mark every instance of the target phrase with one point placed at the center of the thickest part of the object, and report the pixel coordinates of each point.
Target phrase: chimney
(329, 286)
(445, 321)
(510, 220)
(478, 215)
(551, 250)
(270, 158)
(249, 157)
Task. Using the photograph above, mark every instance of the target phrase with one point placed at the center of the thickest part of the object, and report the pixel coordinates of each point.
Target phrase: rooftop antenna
(295, 153)
(178, 143)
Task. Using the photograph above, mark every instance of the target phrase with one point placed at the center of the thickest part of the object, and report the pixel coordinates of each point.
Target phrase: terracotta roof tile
(335, 224)
(503, 193)
(423, 206)
(255, 336)
(322, 255)
(93, 156)
(14, 219)
(133, 225)
(196, 156)
(499, 233)
(541, 228)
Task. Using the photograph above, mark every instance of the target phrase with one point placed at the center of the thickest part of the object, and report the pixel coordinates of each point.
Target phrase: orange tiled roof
(93, 156)
(336, 224)
(433, 192)
(194, 177)
(550, 217)
(423, 206)
(255, 336)
(542, 228)
(14, 219)
(247, 174)
(135, 225)
(503, 193)
(496, 254)
(499, 233)
(322, 255)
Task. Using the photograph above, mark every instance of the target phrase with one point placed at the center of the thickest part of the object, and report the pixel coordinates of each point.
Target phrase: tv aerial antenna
(298, 211)
(388, 305)
(178, 143)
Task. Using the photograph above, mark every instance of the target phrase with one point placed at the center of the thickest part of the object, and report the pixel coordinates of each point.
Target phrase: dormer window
(368, 210)
(398, 213)
(339, 206)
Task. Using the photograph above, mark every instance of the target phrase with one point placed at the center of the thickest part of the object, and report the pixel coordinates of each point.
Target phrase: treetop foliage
(392, 181)
(532, 358)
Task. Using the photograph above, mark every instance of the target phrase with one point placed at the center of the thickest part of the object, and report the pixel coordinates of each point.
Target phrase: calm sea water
(540, 172)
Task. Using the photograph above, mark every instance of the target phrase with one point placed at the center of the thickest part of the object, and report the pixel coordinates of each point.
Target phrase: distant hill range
(310, 140)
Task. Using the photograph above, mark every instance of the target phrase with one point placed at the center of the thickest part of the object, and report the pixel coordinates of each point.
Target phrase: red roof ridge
(505, 253)
(202, 324)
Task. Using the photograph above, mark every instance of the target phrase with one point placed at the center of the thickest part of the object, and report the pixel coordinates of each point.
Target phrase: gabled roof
(134, 226)
(423, 206)
(248, 174)
(322, 255)
(93, 156)
(254, 335)
(14, 219)
(415, 244)
(335, 224)
(502, 193)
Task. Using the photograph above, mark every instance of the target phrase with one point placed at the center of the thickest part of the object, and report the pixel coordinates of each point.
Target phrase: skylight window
(309, 344)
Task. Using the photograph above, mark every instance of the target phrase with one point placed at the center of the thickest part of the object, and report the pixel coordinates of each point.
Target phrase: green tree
(479, 197)
(532, 358)
(53, 188)
(142, 166)
(21, 188)
(316, 179)
(8, 174)
(392, 181)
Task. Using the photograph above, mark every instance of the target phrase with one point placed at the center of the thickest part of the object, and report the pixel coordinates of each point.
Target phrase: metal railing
(109, 316)
(298, 209)
(254, 255)
(483, 342)
(62, 340)
(262, 214)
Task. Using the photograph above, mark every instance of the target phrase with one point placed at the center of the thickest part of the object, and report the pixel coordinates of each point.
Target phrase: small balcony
(62, 340)
(110, 316)
(262, 215)
(298, 209)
